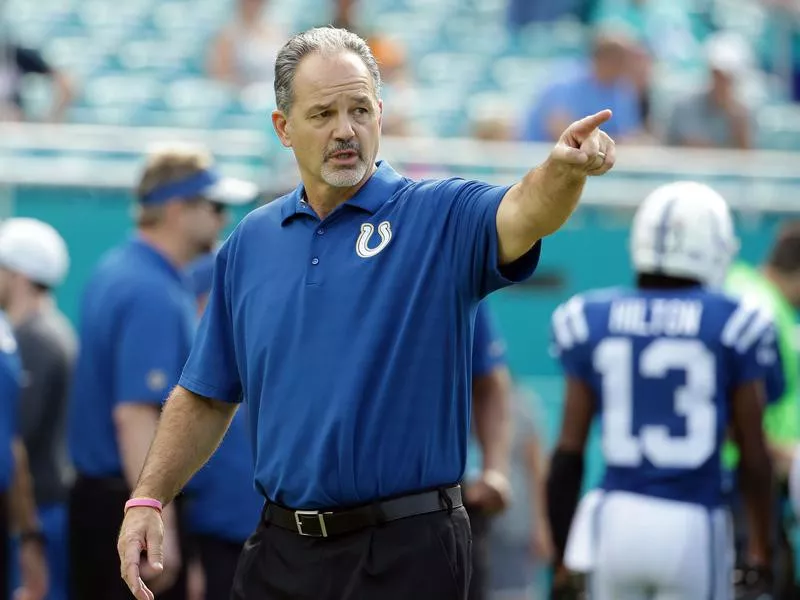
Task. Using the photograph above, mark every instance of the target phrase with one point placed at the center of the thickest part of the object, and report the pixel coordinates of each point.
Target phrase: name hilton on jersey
(659, 316)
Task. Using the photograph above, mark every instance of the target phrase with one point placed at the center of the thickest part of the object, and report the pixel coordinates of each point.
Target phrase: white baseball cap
(729, 53)
(34, 249)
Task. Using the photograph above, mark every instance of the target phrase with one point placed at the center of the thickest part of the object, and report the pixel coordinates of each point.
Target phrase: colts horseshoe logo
(367, 229)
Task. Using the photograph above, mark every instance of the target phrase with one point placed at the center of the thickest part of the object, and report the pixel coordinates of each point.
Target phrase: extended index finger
(587, 125)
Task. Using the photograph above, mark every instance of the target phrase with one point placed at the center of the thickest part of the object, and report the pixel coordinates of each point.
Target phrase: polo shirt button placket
(313, 277)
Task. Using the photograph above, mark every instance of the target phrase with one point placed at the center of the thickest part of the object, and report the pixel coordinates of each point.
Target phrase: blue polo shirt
(221, 500)
(351, 337)
(10, 380)
(488, 353)
(138, 318)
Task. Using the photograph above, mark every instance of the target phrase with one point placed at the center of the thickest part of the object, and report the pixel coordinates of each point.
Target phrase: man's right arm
(190, 430)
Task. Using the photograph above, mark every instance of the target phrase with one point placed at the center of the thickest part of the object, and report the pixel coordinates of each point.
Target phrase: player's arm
(755, 469)
(566, 465)
(545, 198)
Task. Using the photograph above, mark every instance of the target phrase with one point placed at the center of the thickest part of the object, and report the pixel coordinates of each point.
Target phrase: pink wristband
(145, 502)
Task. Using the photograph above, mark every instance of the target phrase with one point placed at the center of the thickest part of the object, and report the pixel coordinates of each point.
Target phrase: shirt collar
(381, 186)
(157, 258)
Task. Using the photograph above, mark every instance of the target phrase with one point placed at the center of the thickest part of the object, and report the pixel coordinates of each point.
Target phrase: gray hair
(320, 40)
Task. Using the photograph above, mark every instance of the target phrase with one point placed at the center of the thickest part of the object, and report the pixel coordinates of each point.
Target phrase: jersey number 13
(694, 401)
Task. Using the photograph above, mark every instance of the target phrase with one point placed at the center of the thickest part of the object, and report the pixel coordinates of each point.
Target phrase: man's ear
(380, 113)
(281, 124)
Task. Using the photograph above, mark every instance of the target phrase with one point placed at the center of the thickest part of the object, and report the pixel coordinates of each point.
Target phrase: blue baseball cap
(208, 184)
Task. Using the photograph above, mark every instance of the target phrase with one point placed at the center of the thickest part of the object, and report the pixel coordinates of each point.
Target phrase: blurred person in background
(486, 485)
(781, 43)
(137, 322)
(523, 12)
(244, 51)
(33, 262)
(15, 63)
(396, 78)
(606, 81)
(222, 505)
(716, 116)
(519, 543)
(17, 506)
(397, 86)
(776, 286)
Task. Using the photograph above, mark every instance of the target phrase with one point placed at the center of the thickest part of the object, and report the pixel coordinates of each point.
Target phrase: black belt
(322, 523)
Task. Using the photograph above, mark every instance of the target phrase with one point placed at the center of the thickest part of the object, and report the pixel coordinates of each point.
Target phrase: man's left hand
(585, 148)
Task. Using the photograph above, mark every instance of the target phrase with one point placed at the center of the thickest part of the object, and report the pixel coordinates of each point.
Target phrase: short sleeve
(149, 349)
(751, 335)
(570, 339)
(211, 370)
(488, 348)
(471, 238)
(32, 61)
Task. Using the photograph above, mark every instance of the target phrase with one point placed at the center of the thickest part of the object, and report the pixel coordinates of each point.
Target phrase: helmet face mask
(684, 229)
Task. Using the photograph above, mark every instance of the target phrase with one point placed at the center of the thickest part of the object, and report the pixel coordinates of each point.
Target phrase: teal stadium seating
(140, 62)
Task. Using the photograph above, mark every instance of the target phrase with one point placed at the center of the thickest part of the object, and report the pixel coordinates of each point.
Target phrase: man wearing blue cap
(137, 323)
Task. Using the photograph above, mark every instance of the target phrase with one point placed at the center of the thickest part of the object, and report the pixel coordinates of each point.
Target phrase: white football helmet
(684, 229)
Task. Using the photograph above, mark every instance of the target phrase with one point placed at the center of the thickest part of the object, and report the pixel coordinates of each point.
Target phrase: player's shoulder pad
(571, 321)
(748, 319)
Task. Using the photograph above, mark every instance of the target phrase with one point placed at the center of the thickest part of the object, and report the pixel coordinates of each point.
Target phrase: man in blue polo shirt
(343, 313)
(138, 319)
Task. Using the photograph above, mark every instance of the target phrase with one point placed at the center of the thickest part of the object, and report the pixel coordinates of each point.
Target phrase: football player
(669, 367)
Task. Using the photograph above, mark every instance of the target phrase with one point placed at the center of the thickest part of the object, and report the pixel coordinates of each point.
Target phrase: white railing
(107, 156)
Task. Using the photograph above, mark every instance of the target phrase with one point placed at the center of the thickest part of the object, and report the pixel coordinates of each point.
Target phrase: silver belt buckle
(298, 514)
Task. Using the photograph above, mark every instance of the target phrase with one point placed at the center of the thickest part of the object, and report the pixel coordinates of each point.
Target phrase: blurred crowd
(629, 45)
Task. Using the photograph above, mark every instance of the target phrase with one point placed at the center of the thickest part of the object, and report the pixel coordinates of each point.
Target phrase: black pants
(480, 521)
(219, 559)
(95, 516)
(426, 557)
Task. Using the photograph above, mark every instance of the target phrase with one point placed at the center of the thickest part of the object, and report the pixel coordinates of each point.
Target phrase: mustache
(344, 147)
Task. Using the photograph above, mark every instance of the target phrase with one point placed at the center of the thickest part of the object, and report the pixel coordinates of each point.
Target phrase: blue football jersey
(662, 365)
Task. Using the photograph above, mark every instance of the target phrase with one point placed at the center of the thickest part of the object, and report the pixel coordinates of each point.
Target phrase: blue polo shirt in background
(351, 337)
(488, 353)
(137, 321)
(10, 381)
(222, 501)
(579, 93)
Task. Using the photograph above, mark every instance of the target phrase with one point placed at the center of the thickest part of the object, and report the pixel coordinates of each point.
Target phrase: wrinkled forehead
(324, 78)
